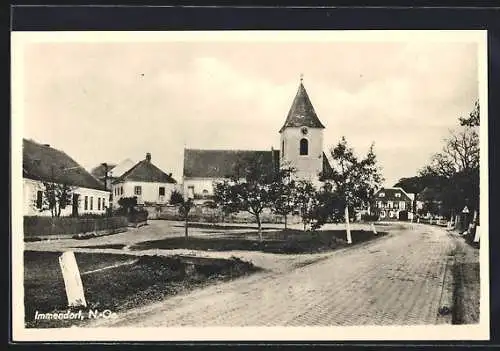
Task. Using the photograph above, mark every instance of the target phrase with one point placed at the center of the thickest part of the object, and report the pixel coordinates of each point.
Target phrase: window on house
(304, 146)
(39, 199)
(137, 190)
(161, 191)
(98, 203)
(402, 205)
(389, 204)
(121, 190)
(91, 203)
(103, 203)
(282, 149)
(381, 195)
(397, 194)
(86, 207)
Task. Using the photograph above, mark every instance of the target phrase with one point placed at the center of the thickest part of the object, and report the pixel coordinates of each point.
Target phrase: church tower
(301, 144)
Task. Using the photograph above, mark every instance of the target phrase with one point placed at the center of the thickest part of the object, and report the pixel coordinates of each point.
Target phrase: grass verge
(147, 280)
(281, 242)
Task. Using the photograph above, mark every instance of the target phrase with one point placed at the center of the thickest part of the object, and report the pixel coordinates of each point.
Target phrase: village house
(301, 147)
(393, 204)
(145, 181)
(44, 164)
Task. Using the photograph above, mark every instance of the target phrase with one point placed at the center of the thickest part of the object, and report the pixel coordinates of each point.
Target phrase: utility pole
(105, 175)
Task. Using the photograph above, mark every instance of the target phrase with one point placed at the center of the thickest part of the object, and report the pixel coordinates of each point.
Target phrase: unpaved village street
(400, 279)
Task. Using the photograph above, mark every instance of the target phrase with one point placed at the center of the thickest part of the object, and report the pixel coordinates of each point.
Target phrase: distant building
(44, 164)
(392, 204)
(301, 146)
(145, 181)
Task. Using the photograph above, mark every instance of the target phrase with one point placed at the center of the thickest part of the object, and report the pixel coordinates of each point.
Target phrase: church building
(301, 146)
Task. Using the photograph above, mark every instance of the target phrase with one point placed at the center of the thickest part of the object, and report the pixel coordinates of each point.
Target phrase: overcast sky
(110, 101)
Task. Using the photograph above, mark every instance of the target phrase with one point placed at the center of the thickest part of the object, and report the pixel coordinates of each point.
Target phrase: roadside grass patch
(280, 241)
(222, 226)
(149, 279)
(103, 246)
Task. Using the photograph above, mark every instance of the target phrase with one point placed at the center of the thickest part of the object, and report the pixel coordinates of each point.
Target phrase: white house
(393, 204)
(145, 181)
(44, 164)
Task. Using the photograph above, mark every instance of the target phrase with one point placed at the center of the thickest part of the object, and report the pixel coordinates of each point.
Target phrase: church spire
(302, 112)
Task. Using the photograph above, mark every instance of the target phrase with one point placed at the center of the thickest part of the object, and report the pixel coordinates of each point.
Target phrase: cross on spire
(301, 77)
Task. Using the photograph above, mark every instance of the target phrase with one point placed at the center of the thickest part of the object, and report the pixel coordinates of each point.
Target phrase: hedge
(39, 225)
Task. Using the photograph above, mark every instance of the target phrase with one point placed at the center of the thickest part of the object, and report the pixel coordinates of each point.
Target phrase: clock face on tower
(304, 130)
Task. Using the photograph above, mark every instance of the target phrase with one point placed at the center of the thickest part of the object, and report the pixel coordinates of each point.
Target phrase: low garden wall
(36, 226)
(211, 215)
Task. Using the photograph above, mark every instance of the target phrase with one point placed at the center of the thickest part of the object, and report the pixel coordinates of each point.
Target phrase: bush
(137, 216)
(41, 226)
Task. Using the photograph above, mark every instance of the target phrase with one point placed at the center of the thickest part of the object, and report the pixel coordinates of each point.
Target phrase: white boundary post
(72, 280)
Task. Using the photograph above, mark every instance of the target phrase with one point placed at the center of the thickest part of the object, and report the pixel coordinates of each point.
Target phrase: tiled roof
(302, 112)
(145, 171)
(44, 163)
(223, 163)
(390, 195)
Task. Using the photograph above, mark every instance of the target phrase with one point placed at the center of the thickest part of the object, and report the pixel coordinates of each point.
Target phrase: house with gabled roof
(145, 181)
(43, 165)
(393, 204)
(301, 147)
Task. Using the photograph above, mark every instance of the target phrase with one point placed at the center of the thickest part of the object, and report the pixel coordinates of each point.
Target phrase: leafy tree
(185, 206)
(128, 204)
(305, 200)
(457, 165)
(56, 197)
(176, 197)
(248, 190)
(417, 184)
(283, 192)
(351, 184)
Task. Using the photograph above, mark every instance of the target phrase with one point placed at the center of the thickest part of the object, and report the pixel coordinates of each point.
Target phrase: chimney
(148, 157)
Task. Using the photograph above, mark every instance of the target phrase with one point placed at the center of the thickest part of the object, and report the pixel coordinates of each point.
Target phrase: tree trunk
(259, 226)
(347, 226)
(285, 222)
(186, 227)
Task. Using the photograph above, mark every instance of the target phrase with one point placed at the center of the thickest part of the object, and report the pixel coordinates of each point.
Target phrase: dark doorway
(74, 213)
(403, 215)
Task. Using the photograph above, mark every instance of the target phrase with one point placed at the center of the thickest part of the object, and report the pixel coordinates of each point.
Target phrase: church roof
(44, 163)
(302, 112)
(145, 171)
(224, 163)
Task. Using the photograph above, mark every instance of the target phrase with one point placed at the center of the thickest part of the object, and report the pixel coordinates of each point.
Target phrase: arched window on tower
(304, 146)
